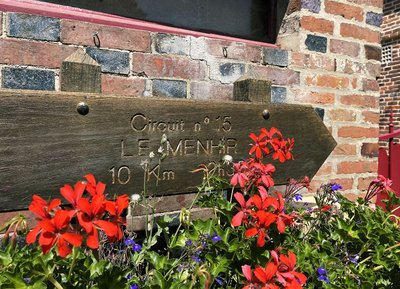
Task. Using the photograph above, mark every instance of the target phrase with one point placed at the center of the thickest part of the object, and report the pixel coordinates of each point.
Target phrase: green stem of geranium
(74, 255)
(49, 275)
(387, 249)
(55, 282)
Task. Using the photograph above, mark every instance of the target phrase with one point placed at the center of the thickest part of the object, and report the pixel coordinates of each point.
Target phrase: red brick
(327, 81)
(317, 24)
(345, 150)
(342, 115)
(204, 48)
(353, 197)
(360, 100)
(211, 91)
(344, 47)
(374, 3)
(349, 67)
(169, 66)
(358, 132)
(372, 117)
(345, 10)
(26, 52)
(314, 97)
(81, 33)
(313, 61)
(370, 85)
(325, 170)
(276, 75)
(346, 183)
(363, 183)
(351, 30)
(357, 167)
(122, 85)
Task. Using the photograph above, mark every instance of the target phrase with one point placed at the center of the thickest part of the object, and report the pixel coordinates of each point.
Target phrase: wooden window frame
(67, 12)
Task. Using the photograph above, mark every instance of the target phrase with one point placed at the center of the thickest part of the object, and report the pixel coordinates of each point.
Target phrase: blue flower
(129, 242)
(134, 286)
(335, 187)
(137, 248)
(189, 242)
(27, 280)
(298, 197)
(354, 259)
(196, 259)
(219, 280)
(129, 276)
(216, 238)
(323, 274)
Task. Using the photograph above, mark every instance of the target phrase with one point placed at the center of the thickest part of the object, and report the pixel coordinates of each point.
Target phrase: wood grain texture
(45, 143)
(80, 72)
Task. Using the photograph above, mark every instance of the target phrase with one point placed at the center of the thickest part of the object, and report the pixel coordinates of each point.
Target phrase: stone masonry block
(373, 52)
(374, 19)
(276, 57)
(22, 78)
(311, 5)
(33, 27)
(278, 94)
(169, 88)
(316, 43)
(110, 61)
(172, 44)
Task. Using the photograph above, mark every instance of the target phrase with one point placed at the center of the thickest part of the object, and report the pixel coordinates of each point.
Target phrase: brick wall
(389, 80)
(328, 56)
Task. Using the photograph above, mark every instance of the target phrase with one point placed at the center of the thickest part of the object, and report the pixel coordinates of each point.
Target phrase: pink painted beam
(67, 12)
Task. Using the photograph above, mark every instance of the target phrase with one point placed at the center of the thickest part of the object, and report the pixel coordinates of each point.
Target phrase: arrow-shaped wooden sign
(45, 142)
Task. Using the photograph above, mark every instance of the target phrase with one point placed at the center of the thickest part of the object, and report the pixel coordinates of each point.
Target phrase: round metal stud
(265, 114)
(82, 108)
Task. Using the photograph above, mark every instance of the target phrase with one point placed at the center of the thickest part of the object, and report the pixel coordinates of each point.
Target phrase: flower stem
(74, 255)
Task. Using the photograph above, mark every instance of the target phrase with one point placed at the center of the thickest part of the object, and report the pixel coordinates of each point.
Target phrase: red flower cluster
(92, 213)
(277, 273)
(259, 212)
(253, 171)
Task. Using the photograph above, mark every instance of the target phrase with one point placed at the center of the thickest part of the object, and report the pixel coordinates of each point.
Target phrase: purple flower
(335, 187)
(219, 280)
(189, 242)
(129, 242)
(129, 276)
(134, 286)
(137, 248)
(298, 197)
(323, 274)
(354, 259)
(27, 280)
(216, 238)
(196, 259)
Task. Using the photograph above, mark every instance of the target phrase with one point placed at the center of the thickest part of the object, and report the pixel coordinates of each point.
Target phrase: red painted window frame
(66, 12)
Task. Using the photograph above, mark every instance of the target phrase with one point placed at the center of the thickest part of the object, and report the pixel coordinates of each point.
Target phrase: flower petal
(246, 269)
(72, 238)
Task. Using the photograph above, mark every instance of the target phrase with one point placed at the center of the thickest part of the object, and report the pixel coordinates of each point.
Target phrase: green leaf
(18, 282)
(5, 259)
(157, 260)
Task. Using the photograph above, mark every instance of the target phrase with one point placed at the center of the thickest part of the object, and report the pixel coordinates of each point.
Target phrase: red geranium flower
(240, 176)
(73, 195)
(243, 210)
(54, 231)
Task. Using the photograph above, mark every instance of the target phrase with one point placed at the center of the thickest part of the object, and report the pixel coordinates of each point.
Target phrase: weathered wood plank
(45, 143)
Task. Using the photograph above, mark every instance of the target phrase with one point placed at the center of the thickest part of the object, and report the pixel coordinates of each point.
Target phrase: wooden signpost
(45, 142)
